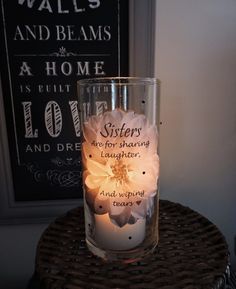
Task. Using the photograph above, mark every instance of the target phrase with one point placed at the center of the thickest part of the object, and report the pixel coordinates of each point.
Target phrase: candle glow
(121, 170)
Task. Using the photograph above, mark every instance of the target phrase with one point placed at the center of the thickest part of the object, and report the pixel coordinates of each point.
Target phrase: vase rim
(129, 80)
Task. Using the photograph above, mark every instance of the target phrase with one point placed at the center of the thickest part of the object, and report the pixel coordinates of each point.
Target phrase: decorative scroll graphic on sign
(46, 47)
(67, 177)
(121, 166)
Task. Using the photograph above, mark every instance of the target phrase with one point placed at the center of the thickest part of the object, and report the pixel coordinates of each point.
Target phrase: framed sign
(46, 46)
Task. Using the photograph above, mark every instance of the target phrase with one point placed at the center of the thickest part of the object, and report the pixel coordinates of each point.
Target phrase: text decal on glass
(121, 164)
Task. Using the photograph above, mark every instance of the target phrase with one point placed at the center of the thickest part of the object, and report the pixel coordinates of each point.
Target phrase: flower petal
(122, 217)
(94, 182)
(96, 168)
(91, 152)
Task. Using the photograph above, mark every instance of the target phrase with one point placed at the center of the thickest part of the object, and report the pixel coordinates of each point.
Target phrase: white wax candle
(110, 236)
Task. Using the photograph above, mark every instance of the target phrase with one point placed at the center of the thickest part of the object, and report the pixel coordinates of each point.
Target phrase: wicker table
(192, 254)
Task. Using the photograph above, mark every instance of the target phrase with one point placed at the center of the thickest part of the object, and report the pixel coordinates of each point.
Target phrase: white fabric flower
(120, 178)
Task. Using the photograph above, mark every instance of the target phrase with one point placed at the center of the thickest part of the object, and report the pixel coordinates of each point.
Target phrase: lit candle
(112, 237)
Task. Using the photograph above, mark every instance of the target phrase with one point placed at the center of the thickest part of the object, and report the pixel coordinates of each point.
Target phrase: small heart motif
(138, 202)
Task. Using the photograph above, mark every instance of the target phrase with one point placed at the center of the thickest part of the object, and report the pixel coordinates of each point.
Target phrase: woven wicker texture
(192, 254)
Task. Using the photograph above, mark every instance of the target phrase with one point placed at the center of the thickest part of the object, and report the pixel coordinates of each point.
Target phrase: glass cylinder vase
(120, 162)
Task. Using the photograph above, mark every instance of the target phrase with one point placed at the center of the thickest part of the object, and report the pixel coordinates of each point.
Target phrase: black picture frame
(29, 188)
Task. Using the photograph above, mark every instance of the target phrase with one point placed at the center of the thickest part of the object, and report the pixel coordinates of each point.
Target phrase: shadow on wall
(17, 250)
